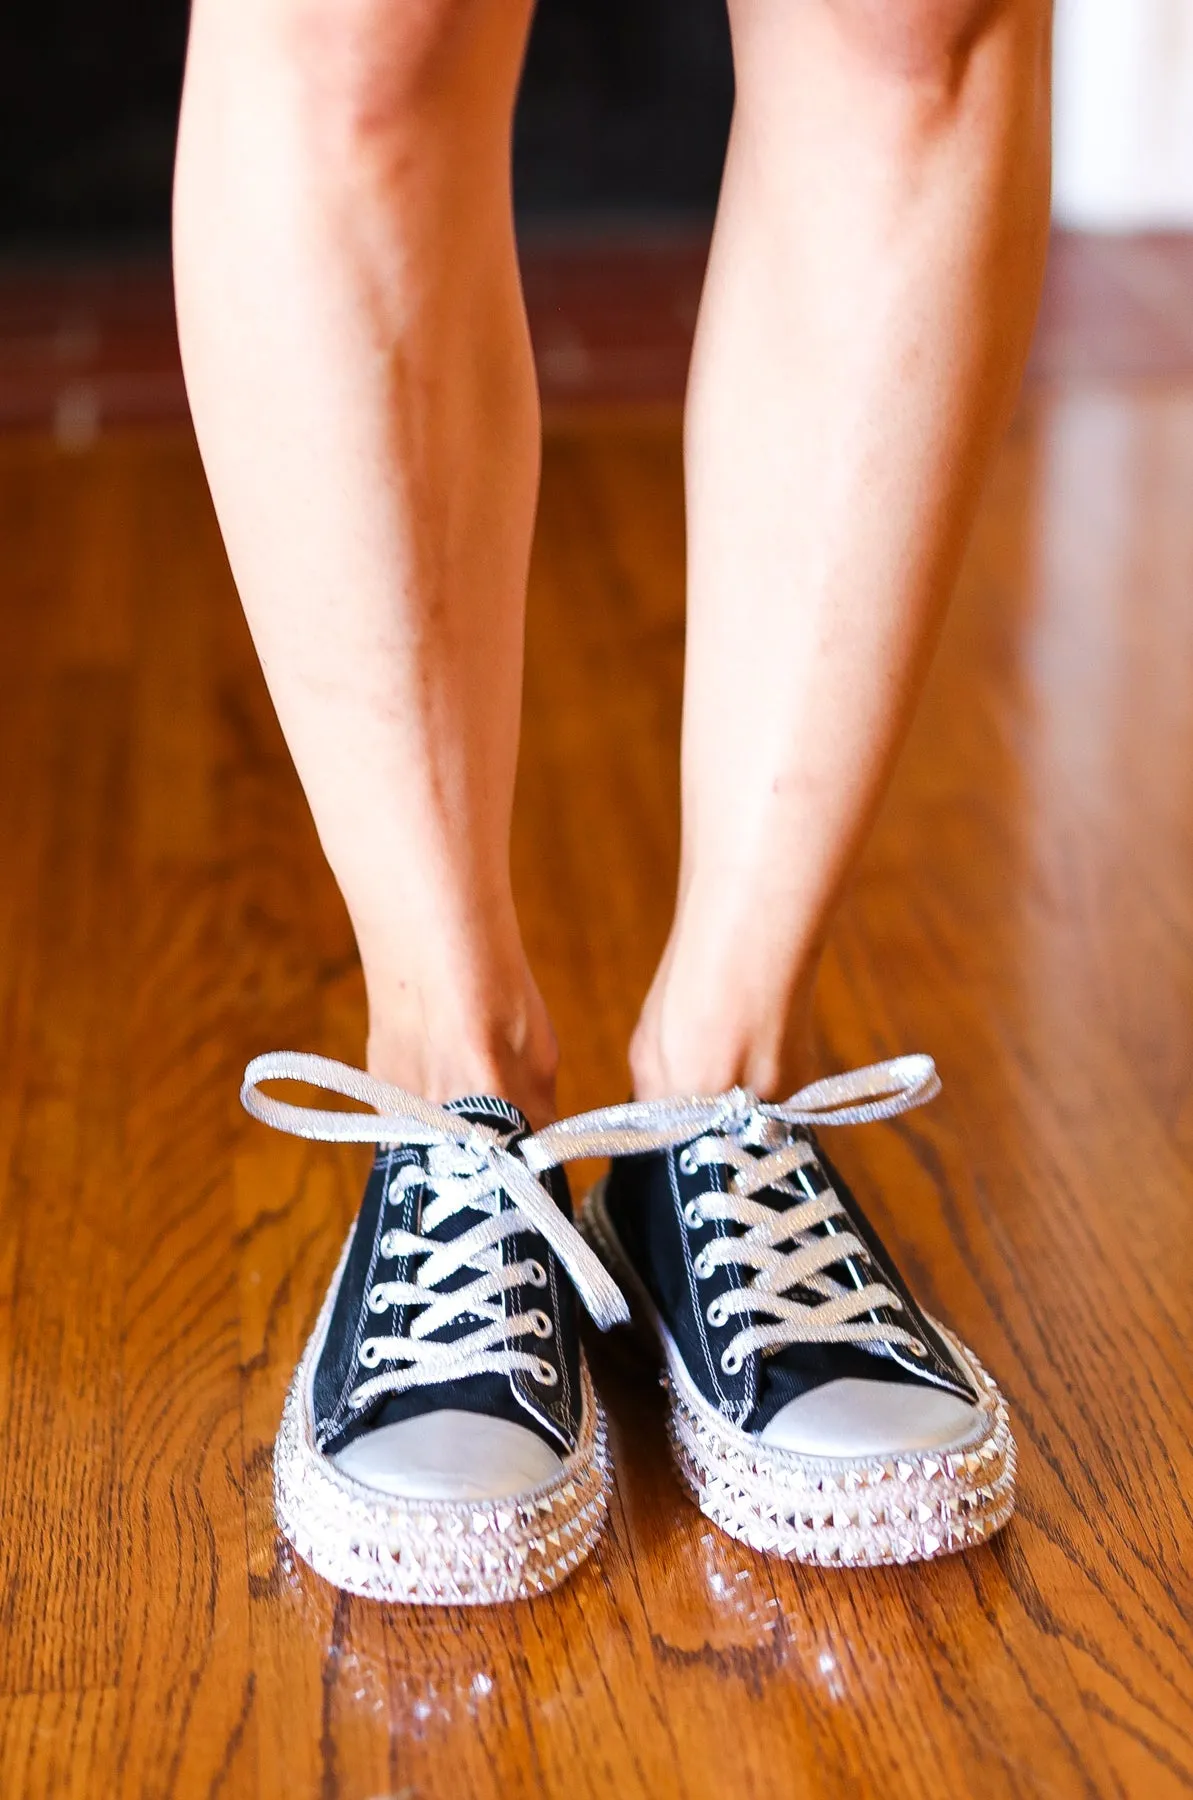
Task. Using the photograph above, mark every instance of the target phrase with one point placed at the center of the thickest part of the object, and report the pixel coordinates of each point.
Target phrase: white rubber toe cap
(853, 1417)
(449, 1455)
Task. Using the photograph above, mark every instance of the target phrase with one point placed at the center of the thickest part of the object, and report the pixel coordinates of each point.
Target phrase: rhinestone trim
(852, 1513)
(435, 1552)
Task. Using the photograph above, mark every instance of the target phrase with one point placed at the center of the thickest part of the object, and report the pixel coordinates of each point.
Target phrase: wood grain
(1024, 911)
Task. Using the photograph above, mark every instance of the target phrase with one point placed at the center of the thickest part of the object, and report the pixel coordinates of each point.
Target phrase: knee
(361, 67)
(914, 38)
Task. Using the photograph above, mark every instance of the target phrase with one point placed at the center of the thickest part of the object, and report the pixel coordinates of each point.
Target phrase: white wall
(1123, 133)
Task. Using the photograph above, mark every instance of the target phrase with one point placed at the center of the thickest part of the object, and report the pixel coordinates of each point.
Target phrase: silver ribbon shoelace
(785, 1249)
(470, 1166)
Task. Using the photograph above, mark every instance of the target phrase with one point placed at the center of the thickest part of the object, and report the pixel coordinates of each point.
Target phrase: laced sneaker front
(441, 1440)
(815, 1408)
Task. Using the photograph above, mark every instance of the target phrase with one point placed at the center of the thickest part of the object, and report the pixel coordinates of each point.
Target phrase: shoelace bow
(736, 1129)
(469, 1165)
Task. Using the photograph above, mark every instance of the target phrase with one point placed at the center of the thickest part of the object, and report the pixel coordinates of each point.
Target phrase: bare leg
(869, 301)
(362, 385)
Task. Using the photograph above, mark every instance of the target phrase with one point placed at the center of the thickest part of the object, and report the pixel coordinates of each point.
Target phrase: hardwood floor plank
(61, 1471)
(185, 1681)
(52, 1744)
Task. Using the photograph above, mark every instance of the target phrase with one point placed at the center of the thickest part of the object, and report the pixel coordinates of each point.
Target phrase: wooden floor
(1025, 912)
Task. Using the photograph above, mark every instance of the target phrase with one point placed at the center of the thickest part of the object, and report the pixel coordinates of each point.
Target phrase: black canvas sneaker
(441, 1441)
(815, 1409)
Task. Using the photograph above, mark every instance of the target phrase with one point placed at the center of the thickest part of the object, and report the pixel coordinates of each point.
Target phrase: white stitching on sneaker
(710, 1358)
(337, 1411)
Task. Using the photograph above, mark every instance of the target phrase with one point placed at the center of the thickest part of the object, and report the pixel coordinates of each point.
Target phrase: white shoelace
(468, 1166)
(737, 1130)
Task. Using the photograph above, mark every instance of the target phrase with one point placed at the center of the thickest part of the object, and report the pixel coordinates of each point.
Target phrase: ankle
(442, 1052)
(697, 1037)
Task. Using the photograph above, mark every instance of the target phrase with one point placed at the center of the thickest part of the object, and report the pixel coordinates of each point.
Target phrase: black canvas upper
(645, 1198)
(551, 1411)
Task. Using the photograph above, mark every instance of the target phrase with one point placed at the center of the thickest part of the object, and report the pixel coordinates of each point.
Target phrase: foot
(441, 1441)
(816, 1410)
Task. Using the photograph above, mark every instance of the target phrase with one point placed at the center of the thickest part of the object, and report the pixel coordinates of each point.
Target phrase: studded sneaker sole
(852, 1512)
(434, 1552)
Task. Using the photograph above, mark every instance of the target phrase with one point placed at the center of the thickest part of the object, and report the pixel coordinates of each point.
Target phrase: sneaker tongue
(504, 1117)
(777, 1201)
(489, 1109)
(497, 1115)
(488, 1394)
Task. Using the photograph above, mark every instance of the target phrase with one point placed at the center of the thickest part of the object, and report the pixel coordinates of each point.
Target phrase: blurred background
(624, 110)
(621, 130)
(620, 134)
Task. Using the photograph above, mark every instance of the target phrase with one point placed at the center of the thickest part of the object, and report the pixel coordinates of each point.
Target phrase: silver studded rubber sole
(845, 1513)
(435, 1552)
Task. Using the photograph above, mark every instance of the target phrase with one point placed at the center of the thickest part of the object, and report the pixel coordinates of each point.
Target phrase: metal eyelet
(716, 1314)
(687, 1161)
(693, 1218)
(386, 1246)
(547, 1376)
(918, 1348)
(703, 1264)
(369, 1354)
(540, 1323)
(536, 1275)
(731, 1361)
(377, 1301)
